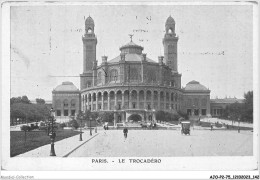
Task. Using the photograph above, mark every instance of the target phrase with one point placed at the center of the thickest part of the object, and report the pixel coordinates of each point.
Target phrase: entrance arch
(135, 117)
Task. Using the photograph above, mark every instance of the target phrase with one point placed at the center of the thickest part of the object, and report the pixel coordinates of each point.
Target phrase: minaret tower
(170, 41)
(89, 53)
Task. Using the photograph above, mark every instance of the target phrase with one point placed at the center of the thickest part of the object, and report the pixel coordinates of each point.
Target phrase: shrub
(74, 124)
(25, 128)
(62, 125)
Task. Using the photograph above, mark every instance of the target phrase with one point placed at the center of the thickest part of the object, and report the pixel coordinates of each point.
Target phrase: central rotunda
(131, 84)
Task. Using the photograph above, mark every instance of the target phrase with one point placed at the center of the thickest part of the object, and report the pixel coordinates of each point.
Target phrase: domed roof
(170, 20)
(66, 87)
(131, 58)
(131, 45)
(89, 20)
(195, 86)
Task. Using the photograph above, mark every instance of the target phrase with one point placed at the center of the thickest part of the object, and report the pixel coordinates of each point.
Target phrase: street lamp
(52, 133)
(96, 127)
(238, 125)
(80, 135)
(90, 130)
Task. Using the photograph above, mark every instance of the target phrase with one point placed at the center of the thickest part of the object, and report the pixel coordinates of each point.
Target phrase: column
(91, 102)
(145, 103)
(123, 100)
(115, 101)
(164, 100)
(102, 101)
(108, 101)
(138, 100)
(96, 101)
(159, 99)
(152, 99)
(129, 100)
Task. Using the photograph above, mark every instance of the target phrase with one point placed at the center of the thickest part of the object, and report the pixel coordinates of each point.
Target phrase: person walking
(125, 131)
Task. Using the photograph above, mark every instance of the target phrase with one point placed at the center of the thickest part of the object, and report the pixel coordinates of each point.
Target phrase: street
(167, 143)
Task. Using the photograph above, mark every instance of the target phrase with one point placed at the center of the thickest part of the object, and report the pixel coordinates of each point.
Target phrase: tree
(25, 100)
(106, 116)
(248, 107)
(160, 115)
(40, 101)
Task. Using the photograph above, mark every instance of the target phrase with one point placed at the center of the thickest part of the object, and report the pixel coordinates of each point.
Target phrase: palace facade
(134, 84)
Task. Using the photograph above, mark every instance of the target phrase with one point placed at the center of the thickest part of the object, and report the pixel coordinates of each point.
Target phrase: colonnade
(134, 99)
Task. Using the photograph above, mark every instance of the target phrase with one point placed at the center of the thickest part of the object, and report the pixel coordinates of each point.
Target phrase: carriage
(185, 127)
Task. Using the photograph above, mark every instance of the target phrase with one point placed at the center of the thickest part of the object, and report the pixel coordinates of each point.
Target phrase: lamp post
(90, 130)
(80, 117)
(96, 127)
(52, 134)
(238, 125)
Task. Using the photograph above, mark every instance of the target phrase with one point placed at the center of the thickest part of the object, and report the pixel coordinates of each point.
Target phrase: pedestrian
(211, 127)
(104, 127)
(125, 131)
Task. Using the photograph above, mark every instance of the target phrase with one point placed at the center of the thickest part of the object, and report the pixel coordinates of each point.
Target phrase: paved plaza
(166, 143)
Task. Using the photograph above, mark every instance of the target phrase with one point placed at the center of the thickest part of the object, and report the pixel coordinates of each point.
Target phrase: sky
(215, 44)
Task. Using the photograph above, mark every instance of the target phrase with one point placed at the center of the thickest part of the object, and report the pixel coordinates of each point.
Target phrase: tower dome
(89, 21)
(89, 26)
(170, 20)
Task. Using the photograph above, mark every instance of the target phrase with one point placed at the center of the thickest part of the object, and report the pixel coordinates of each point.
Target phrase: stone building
(134, 85)
(196, 99)
(65, 101)
(217, 106)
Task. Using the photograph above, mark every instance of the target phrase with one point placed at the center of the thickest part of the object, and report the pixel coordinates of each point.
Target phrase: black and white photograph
(106, 86)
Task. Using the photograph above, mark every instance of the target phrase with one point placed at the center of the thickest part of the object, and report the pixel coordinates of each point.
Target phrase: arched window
(66, 103)
(113, 75)
(99, 77)
(89, 30)
(73, 103)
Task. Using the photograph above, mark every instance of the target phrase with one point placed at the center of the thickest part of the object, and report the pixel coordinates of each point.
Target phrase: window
(133, 105)
(113, 75)
(66, 103)
(73, 112)
(99, 77)
(89, 30)
(119, 106)
(99, 106)
(149, 106)
(73, 103)
(58, 113)
(203, 112)
(170, 31)
(66, 112)
(189, 111)
(119, 119)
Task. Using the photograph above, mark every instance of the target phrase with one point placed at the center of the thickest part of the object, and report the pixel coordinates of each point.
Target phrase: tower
(170, 41)
(89, 53)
